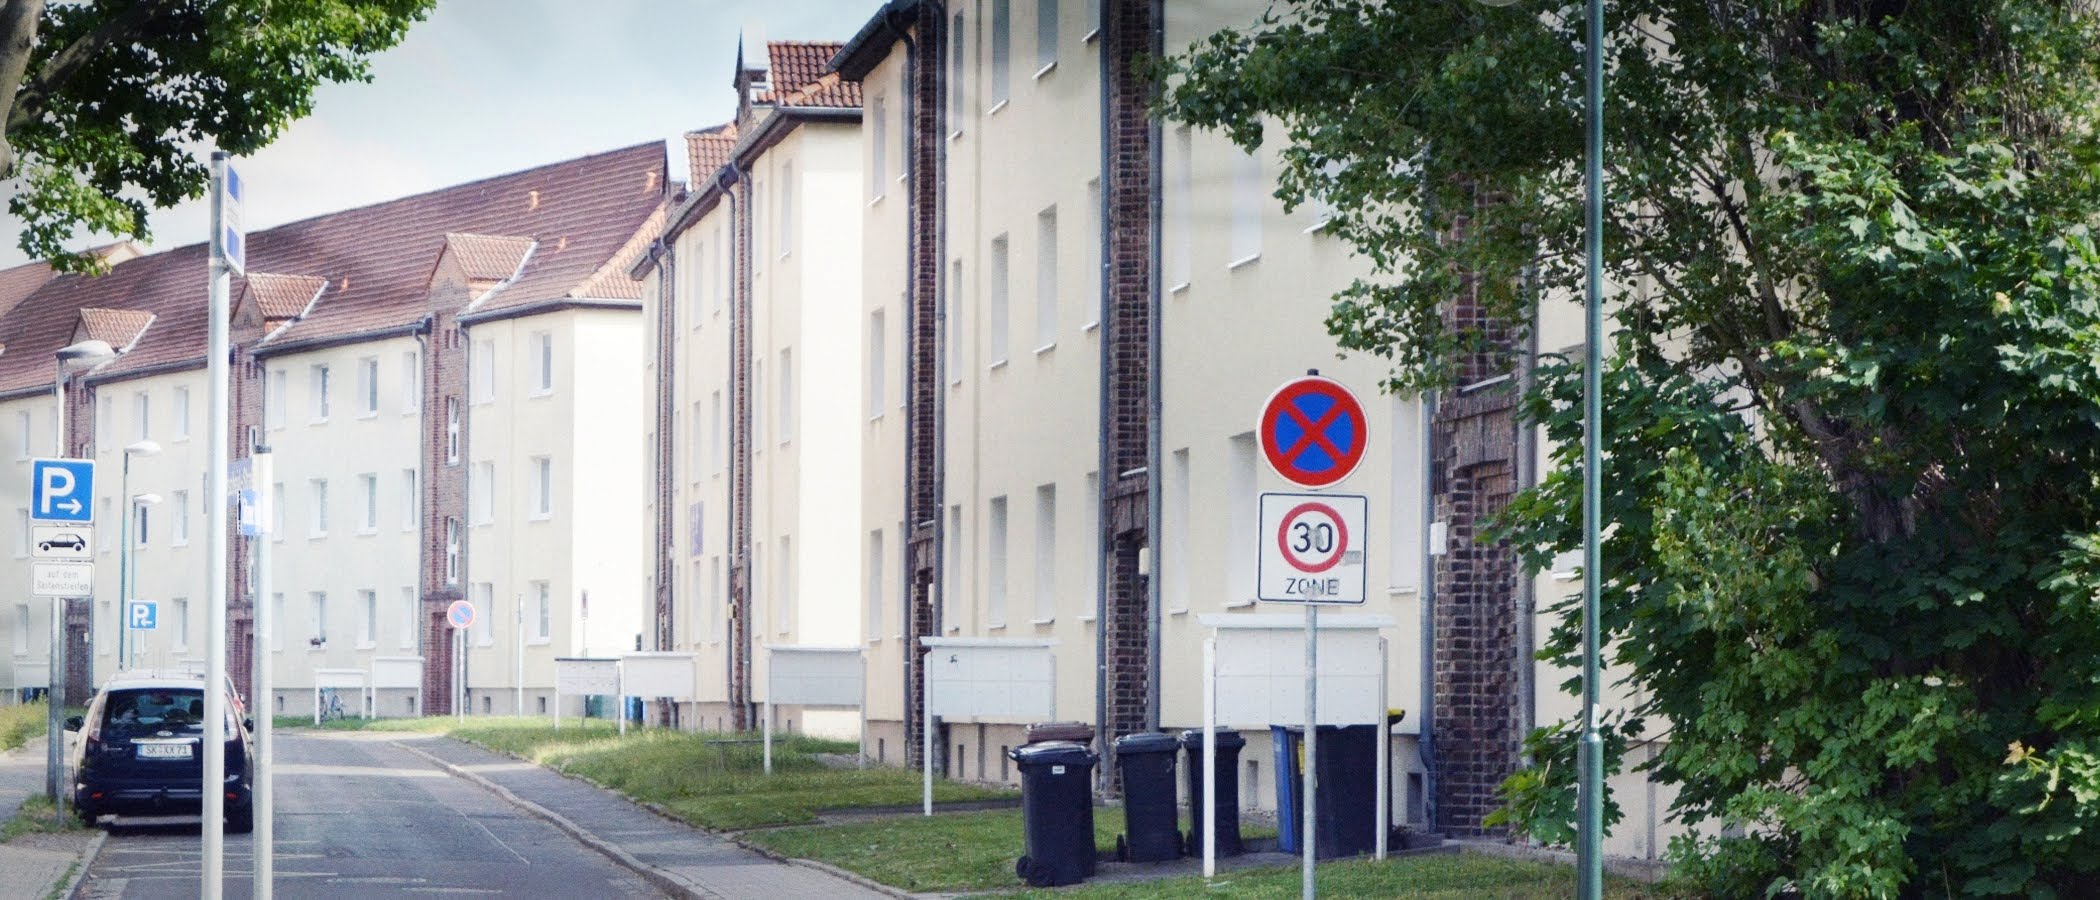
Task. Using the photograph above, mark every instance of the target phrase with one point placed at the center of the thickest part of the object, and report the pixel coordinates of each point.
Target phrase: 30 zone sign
(1312, 548)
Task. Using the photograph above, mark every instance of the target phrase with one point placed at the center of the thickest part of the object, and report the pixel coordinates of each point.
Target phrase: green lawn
(1437, 877)
(695, 777)
(37, 817)
(19, 723)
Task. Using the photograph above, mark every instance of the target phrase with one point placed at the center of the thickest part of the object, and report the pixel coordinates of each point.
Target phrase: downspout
(423, 367)
(1154, 413)
(726, 179)
(943, 291)
(1425, 743)
(1527, 478)
(1104, 545)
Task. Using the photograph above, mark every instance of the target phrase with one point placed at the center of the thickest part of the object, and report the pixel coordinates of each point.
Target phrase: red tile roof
(796, 64)
(830, 91)
(119, 328)
(707, 151)
(376, 262)
(279, 297)
(485, 257)
(21, 281)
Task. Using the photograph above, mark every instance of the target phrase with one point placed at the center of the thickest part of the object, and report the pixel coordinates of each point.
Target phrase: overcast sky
(485, 87)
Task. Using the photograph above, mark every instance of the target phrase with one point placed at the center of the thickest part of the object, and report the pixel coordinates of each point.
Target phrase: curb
(87, 860)
(663, 880)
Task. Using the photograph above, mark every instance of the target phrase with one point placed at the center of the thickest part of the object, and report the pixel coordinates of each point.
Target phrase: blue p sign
(62, 490)
(141, 614)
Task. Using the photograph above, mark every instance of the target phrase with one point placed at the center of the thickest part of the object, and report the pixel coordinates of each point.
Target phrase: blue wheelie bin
(1346, 816)
(1057, 812)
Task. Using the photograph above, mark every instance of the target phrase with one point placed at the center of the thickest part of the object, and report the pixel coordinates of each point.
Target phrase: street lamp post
(1589, 758)
(140, 448)
(85, 354)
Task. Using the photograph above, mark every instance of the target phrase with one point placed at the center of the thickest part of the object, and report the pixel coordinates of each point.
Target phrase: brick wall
(740, 457)
(922, 352)
(1128, 33)
(664, 453)
(1478, 722)
(444, 487)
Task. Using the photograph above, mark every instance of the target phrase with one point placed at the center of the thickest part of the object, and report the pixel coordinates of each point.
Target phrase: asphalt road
(359, 817)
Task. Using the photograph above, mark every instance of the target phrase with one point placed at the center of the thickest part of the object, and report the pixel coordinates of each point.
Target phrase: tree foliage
(1852, 399)
(106, 104)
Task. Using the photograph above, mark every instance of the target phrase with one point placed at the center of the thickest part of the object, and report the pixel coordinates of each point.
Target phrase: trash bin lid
(1053, 753)
(1146, 742)
(1227, 739)
(1061, 731)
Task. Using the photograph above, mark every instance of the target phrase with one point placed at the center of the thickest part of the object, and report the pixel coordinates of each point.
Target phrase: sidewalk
(677, 858)
(35, 864)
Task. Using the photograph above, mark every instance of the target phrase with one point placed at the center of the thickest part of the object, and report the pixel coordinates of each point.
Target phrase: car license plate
(164, 751)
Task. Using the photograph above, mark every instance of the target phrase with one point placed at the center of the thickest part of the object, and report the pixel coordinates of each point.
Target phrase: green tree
(107, 102)
(1852, 399)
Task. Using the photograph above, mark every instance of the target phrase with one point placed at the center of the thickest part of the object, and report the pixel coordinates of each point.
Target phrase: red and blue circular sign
(460, 614)
(1312, 431)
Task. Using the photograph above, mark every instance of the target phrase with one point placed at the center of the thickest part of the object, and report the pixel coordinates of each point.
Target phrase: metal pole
(1308, 839)
(124, 558)
(55, 683)
(1210, 758)
(215, 712)
(263, 474)
(925, 746)
(1384, 815)
(1590, 752)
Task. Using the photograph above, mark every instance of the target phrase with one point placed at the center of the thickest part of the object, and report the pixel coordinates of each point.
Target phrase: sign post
(1313, 433)
(255, 525)
(460, 615)
(228, 255)
(61, 491)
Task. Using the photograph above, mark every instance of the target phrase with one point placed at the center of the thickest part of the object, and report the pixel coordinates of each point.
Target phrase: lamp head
(145, 499)
(86, 353)
(143, 448)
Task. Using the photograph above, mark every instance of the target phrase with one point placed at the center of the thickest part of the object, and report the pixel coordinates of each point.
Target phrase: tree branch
(18, 25)
(63, 65)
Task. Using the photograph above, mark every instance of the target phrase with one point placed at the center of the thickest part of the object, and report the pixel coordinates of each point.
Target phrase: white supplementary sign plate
(992, 681)
(1312, 548)
(659, 674)
(815, 676)
(586, 677)
(397, 672)
(62, 579)
(1261, 674)
(75, 543)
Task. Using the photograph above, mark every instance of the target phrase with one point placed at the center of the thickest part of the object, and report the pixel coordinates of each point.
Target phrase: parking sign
(62, 490)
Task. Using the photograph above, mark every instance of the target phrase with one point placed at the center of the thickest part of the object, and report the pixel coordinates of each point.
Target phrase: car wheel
(241, 822)
(87, 814)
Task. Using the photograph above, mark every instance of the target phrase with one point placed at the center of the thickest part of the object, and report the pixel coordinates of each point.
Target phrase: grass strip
(971, 851)
(21, 722)
(38, 817)
(1436, 877)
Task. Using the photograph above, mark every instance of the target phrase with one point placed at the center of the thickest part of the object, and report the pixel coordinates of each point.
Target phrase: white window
(542, 487)
(24, 442)
(1172, 562)
(105, 504)
(952, 558)
(1093, 18)
(542, 363)
(787, 395)
(142, 416)
(318, 602)
(104, 434)
(180, 417)
(783, 594)
(451, 550)
(1091, 286)
(277, 511)
(875, 558)
(694, 274)
(368, 386)
(878, 150)
(1179, 195)
(178, 517)
(483, 371)
(274, 398)
(1243, 512)
(1045, 553)
(758, 227)
(878, 362)
(181, 638)
(1046, 279)
(954, 321)
(996, 321)
(484, 627)
(411, 383)
(1090, 546)
(1247, 192)
(543, 611)
(411, 504)
(1405, 503)
(1045, 35)
(958, 87)
(452, 431)
(368, 522)
(22, 616)
(995, 564)
(758, 407)
(698, 445)
(317, 386)
(22, 543)
(717, 588)
(278, 626)
(481, 494)
(368, 621)
(1002, 62)
(715, 429)
(724, 285)
(138, 515)
(408, 619)
(756, 603)
(318, 488)
(787, 208)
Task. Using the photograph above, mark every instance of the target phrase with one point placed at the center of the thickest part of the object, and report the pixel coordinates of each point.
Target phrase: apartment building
(447, 384)
(754, 374)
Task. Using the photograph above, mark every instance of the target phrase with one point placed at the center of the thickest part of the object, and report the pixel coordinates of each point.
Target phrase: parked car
(140, 750)
(66, 539)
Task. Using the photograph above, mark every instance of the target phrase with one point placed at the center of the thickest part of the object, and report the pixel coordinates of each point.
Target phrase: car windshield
(153, 712)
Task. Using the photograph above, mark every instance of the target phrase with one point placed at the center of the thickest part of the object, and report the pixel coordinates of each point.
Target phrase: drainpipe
(1527, 478)
(1104, 544)
(726, 180)
(1154, 414)
(1425, 743)
(424, 368)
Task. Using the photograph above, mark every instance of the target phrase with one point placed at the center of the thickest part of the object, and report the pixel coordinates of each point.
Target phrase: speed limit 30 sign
(1312, 548)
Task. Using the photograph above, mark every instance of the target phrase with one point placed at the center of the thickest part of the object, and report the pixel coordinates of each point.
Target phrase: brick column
(664, 458)
(924, 407)
(1129, 32)
(444, 489)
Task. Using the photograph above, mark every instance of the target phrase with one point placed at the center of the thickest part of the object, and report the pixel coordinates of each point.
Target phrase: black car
(74, 542)
(141, 751)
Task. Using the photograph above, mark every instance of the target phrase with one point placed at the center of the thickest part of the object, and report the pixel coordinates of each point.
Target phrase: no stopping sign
(1312, 548)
